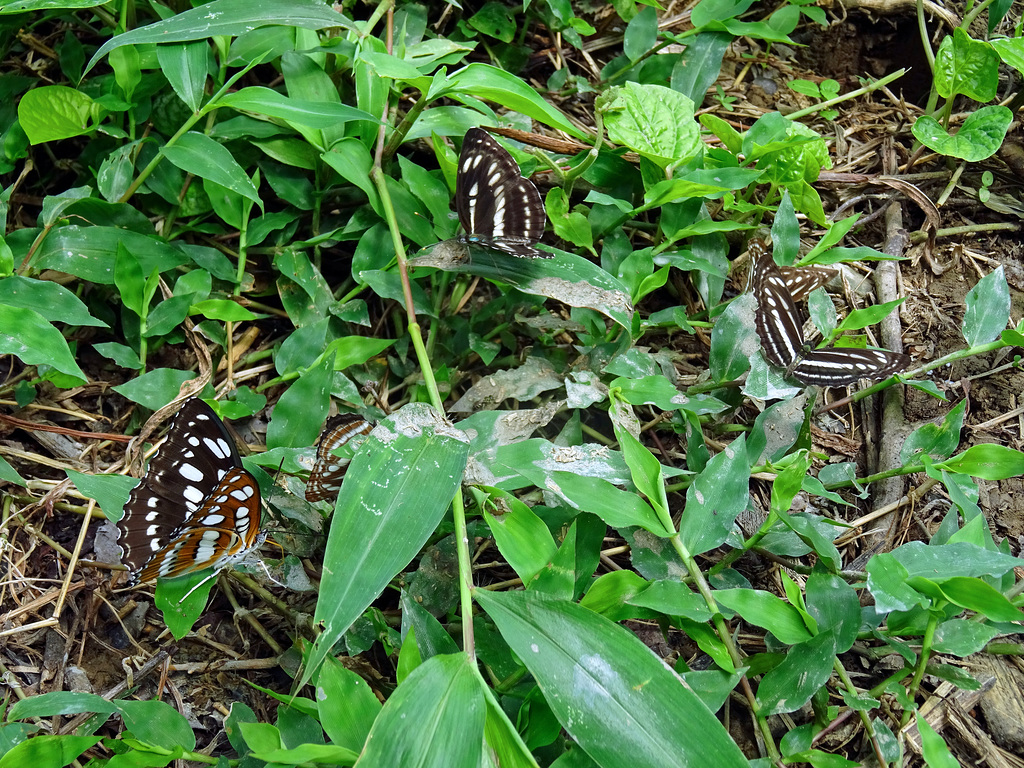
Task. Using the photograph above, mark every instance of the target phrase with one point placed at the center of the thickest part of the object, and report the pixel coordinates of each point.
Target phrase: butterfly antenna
(197, 586)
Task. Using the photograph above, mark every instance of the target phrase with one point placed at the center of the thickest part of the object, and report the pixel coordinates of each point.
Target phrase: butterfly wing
(497, 207)
(185, 471)
(329, 470)
(840, 367)
(800, 281)
(219, 533)
(777, 320)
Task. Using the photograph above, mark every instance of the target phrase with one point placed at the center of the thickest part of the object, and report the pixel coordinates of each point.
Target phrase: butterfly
(780, 329)
(497, 207)
(196, 507)
(328, 469)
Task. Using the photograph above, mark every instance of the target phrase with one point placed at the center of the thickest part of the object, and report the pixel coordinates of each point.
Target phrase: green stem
(869, 728)
(922, 660)
(726, 637)
(847, 96)
(185, 128)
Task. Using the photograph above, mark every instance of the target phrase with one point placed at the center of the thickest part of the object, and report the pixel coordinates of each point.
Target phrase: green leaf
(54, 302)
(230, 18)
(21, 6)
(613, 696)
(90, 252)
(437, 713)
(198, 154)
(295, 112)
(963, 638)
(483, 81)
(55, 112)
(699, 64)
(378, 527)
(126, 357)
(804, 670)
(185, 67)
(618, 508)
(612, 594)
(641, 34)
(494, 20)
(1010, 50)
(654, 121)
(673, 598)
(733, 340)
(714, 499)
(980, 597)
(224, 310)
(109, 491)
(301, 409)
(834, 605)
(979, 137)
(27, 335)
(183, 599)
(521, 537)
(155, 389)
(565, 277)
(933, 748)
(987, 461)
(568, 225)
(59, 703)
(356, 350)
(167, 315)
(346, 705)
(47, 750)
(10, 475)
(988, 309)
(766, 610)
(938, 441)
(157, 723)
(966, 66)
(125, 63)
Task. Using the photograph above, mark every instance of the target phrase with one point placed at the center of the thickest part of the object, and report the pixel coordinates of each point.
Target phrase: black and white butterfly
(196, 507)
(780, 329)
(329, 469)
(497, 207)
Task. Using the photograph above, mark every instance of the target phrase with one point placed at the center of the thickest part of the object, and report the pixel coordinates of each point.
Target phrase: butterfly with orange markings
(196, 507)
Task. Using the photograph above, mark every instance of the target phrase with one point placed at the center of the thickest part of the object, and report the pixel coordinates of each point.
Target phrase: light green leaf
(987, 461)
(966, 66)
(652, 120)
(979, 137)
(224, 310)
(54, 112)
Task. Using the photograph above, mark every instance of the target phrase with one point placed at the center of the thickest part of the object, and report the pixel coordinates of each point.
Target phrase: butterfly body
(328, 469)
(497, 207)
(780, 330)
(196, 507)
